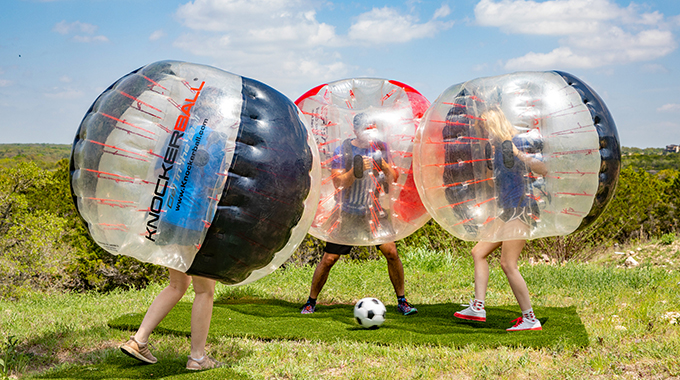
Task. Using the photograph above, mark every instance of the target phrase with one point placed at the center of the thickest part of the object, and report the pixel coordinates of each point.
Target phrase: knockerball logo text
(169, 158)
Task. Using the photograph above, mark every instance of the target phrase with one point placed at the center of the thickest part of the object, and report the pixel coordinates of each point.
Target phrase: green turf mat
(434, 324)
(123, 367)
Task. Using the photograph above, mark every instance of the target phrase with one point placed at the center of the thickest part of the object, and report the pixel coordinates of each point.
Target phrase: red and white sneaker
(474, 312)
(522, 324)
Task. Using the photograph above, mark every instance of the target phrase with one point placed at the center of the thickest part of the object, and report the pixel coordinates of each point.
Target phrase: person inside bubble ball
(201, 313)
(363, 168)
(181, 227)
(512, 168)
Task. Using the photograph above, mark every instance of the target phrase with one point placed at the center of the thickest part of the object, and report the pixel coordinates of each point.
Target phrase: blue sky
(57, 56)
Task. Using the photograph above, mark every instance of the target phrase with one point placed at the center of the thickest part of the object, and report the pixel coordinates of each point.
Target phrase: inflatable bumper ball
(517, 156)
(365, 129)
(196, 169)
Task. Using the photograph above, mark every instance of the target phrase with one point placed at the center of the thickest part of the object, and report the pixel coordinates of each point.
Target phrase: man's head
(366, 129)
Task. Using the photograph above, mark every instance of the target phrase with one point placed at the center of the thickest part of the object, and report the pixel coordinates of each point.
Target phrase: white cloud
(284, 41)
(443, 11)
(64, 27)
(675, 20)
(562, 56)
(387, 25)
(5, 83)
(655, 68)
(282, 63)
(671, 107)
(555, 17)
(157, 35)
(250, 28)
(82, 32)
(65, 94)
(653, 19)
(257, 20)
(88, 39)
(65, 79)
(594, 33)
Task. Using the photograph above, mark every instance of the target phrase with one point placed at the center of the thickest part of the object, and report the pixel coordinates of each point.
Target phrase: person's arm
(535, 165)
(389, 170)
(342, 178)
(345, 178)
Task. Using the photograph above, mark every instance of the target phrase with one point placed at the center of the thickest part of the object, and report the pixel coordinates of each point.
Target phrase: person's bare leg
(201, 313)
(480, 252)
(395, 268)
(162, 304)
(509, 257)
(321, 273)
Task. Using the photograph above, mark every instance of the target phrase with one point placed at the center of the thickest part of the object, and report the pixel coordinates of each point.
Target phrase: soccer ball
(369, 313)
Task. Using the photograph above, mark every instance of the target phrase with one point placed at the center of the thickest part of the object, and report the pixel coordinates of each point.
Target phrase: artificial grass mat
(119, 366)
(434, 324)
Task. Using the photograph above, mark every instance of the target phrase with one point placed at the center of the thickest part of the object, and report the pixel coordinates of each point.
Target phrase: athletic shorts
(340, 249)
(522, 213)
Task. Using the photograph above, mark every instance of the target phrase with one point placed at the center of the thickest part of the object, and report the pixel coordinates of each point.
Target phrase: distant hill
(45, 155)
(652, 160)
(626, 151)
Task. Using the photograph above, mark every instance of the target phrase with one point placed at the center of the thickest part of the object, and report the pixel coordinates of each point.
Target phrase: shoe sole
(200, 369)
(531, 329)
(469, 318)
(411, 312)
(134, 354)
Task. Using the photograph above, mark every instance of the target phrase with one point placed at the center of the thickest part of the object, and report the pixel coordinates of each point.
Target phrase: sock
(140, 343)
(311, 301)
(477, 304)
(401, 299)
(528, 315)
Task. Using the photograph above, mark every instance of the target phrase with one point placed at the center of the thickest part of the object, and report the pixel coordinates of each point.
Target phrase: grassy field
(628, 314)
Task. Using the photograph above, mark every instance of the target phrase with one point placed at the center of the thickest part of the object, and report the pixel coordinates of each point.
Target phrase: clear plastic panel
(151, 159)
(369, 125)
(535, 177)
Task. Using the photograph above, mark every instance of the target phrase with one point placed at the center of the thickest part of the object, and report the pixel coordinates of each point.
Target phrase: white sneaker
(522, 324)
(474, 312)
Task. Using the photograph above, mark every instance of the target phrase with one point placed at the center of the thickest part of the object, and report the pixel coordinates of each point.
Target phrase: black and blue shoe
(406, 308)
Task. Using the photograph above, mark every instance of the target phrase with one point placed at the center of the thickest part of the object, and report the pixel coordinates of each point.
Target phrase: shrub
(29, 253)
(667, 239)
(44, 244)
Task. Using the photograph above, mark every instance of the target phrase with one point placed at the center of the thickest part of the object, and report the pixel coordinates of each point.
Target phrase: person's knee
(329, 259)
(390, 252)
(508, 266)
(203, 286)
(207, 292)
(179, 284)
(478, 253)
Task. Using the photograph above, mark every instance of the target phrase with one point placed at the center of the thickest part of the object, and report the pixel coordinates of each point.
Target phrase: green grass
(622, 311)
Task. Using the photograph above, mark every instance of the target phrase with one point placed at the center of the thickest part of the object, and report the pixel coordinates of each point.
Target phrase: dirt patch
(656, 254)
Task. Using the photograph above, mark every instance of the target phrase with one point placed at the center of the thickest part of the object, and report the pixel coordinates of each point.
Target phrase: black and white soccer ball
(369, 313)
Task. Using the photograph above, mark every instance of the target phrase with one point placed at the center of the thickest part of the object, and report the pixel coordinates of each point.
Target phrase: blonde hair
(497, 124)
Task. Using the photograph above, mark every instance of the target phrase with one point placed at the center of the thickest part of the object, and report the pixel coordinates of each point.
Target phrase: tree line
(44, 245)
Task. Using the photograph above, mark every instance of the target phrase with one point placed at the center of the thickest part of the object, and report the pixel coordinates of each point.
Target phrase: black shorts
(526, 214)
(340, 249)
